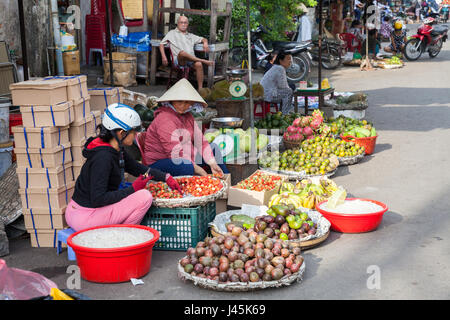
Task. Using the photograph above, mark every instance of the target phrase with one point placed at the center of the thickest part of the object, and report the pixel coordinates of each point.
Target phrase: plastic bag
(17, 284)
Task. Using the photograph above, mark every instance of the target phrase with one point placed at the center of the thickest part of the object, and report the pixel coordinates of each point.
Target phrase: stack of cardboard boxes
(101, 98)
(43, 151)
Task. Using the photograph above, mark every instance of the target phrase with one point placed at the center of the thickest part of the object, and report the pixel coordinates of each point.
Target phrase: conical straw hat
(182, 91)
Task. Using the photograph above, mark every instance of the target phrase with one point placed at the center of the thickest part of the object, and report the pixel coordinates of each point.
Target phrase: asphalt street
(409, 171)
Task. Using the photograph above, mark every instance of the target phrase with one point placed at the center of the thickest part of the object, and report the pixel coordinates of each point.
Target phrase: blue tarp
(136, 40)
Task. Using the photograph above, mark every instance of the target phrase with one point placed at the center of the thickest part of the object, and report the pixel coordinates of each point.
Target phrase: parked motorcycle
(331, 53)
(299, 69)
(429, 38)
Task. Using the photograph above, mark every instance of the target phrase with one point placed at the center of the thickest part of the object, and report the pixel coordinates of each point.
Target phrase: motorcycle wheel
(335, 59)
(410, 51)
(298, 70)
(434, 53)
(236, 56)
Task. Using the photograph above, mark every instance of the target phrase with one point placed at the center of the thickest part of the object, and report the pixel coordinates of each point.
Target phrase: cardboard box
(44, 137)
(237, 197)
(45, 177)
(82, 129)
(43, 158)
(58, 115)
(76, 86)
(81, 108)
(43, 238)
(221, 206)
(101, 98)
(76, 168)
(77, 151)
(45, 198)
(39, 92)
(44, 219)
(71, 62)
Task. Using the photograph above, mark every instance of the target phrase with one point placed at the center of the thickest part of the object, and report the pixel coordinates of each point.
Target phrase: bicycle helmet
(121, 116)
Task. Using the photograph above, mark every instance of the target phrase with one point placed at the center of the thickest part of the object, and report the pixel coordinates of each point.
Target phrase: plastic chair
(265, 108)
(180, 72)
(95, 35)
(348, 39)
(62, 236)
(98, 7)
(140, 141)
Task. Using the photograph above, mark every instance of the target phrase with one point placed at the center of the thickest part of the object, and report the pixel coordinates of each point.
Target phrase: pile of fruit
(242, 256)
(145, 113)
(324, 147)
(344, 124)
(354, 99)
(395, 60)
(309, 161)
(245, 138)
(306, 127)
(305, 193)
(260, 181)
(276, 121)
(194, 186)
(221, 90)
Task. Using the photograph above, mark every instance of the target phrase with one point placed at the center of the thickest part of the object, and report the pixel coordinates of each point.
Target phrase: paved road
(409, 171)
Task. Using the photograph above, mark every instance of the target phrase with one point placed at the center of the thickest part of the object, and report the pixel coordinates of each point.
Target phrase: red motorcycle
(428, 38)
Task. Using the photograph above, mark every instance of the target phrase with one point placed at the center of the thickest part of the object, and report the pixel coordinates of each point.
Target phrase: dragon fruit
(307, 131)
(292, 129)
(305, 121)
(317, 114)
(297, 122)
(315, 123)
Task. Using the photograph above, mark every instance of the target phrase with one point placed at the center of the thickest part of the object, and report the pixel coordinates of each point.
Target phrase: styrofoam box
(44, 137)
(45, 177)
(44, 218)
(45, 198)
(58, 115)
(43, 158)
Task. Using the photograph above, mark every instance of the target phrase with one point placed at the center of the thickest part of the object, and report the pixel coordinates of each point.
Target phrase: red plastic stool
(265, 108)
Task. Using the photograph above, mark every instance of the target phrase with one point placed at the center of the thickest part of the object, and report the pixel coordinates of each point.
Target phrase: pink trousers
(130, 210)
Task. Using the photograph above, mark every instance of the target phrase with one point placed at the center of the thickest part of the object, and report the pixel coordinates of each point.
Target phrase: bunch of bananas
(304, 193)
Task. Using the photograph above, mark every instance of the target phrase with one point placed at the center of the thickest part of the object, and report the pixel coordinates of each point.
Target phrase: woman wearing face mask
(174, 142)
(97, 199)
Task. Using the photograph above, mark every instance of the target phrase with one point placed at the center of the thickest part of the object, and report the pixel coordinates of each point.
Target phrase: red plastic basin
(354, 223)
(114, 264)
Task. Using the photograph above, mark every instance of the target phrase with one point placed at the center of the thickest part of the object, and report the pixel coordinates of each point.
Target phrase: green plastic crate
(180, 228)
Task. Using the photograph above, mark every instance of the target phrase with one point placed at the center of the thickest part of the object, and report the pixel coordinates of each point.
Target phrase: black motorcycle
(260, 53)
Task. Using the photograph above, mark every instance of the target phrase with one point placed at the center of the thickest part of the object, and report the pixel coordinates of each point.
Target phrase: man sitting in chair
(182, 46)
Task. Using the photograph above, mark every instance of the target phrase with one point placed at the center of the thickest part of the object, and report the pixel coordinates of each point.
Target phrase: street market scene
(224, 150)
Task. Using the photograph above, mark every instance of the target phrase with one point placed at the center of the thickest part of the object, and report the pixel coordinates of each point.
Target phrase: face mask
(196, 107)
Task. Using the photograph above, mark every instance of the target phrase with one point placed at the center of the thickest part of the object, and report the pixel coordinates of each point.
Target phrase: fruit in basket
(263, 266)
(276, 121)
(260, 181)
(324, 146)
(310, 161)
(345, 125)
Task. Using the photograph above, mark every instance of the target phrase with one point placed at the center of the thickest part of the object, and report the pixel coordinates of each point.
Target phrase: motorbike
(331, 53)
(429, 38)
(260, 54)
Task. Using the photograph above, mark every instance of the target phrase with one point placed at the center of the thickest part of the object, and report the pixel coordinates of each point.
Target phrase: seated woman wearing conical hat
(174, 141)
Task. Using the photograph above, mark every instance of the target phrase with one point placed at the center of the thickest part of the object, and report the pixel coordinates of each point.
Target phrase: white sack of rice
(114, 237)
(353, 207)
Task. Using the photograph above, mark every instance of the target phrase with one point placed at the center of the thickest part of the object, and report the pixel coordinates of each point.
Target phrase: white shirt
(304, 29)
(180, 41)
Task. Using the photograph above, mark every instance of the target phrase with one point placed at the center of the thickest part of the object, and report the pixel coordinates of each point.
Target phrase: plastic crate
(180, 228)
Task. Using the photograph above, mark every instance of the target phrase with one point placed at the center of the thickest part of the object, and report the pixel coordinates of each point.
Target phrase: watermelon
(147, 115)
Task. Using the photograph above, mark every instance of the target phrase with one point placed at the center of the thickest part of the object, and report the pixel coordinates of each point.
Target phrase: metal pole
(320, 53)
(23, 40)
(249, 45)
(108, 41)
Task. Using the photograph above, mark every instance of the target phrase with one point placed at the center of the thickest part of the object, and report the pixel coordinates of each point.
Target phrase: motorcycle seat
(285, 45)
(439, 30)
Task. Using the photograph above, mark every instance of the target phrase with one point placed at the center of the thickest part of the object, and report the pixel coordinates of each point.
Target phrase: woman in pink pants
(97, 199)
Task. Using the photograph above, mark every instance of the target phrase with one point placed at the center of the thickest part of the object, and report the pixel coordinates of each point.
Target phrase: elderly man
(182, 46)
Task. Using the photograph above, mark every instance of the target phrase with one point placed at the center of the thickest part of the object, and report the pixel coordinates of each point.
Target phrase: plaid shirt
(386, 30)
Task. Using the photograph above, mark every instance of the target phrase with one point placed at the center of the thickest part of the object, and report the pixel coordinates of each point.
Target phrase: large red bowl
(112, 265)
(354, 223)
